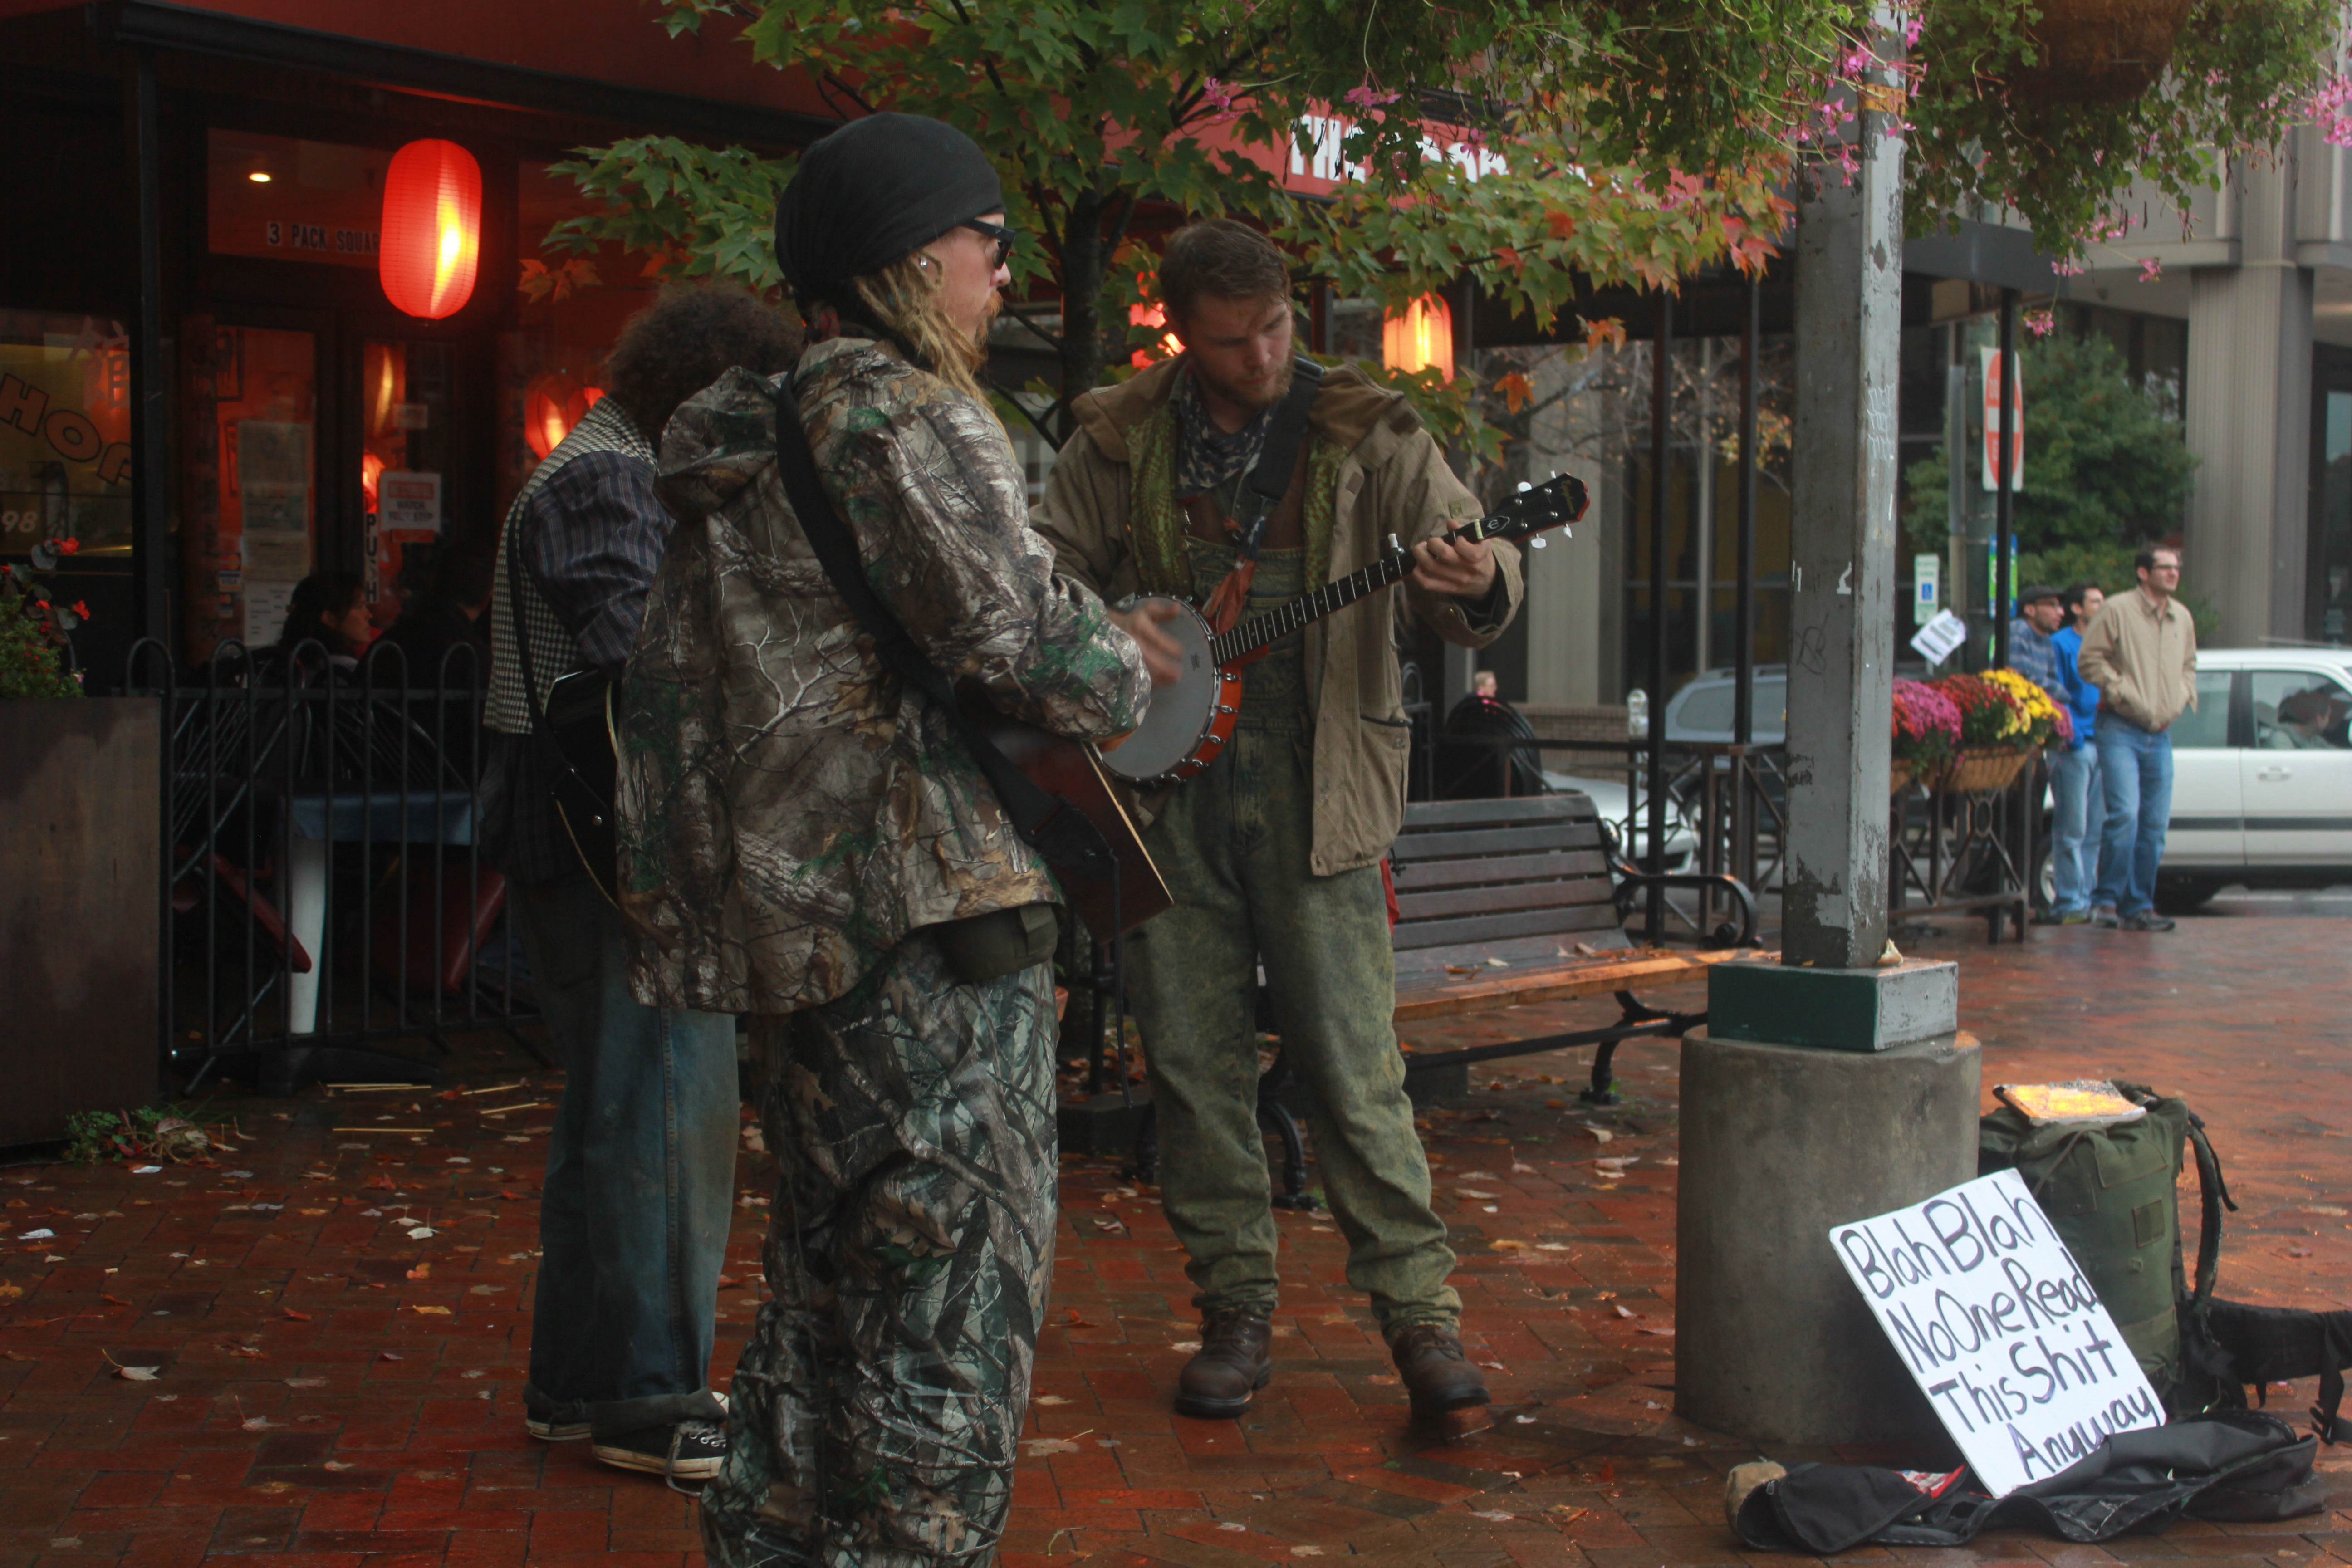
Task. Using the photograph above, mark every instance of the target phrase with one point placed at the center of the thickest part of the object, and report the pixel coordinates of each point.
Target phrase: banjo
(1189, 722)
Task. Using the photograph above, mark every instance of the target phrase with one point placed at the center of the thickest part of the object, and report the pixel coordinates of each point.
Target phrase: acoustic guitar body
(1071, 770)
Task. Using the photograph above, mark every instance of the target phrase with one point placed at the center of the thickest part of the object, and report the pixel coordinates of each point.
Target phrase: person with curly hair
(641, 1163)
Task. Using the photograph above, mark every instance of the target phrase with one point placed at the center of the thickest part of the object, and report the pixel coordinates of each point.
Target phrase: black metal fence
(324, 889)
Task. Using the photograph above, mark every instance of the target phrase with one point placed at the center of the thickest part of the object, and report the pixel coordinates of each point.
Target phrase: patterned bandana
(1207, 457)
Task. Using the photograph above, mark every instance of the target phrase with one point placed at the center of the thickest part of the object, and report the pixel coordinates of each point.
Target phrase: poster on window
(64, 433)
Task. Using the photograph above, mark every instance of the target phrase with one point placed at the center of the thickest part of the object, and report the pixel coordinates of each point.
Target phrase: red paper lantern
(1419, 337)
(432, 236)
(551, 405)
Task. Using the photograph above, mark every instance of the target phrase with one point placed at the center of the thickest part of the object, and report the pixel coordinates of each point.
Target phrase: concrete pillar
(1840, 635)
(2249, 418)
(1826, 1089)
(1773, 1342)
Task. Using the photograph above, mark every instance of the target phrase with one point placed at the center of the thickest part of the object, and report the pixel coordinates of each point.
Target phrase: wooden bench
(1505, 902)
(1501, 903)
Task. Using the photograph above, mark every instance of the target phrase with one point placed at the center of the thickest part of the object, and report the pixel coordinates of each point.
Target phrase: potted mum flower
(1927, 733)
(2047, 725)
(1995, 732)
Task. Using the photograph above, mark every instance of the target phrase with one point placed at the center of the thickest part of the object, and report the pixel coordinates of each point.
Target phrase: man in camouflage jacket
(802, 835)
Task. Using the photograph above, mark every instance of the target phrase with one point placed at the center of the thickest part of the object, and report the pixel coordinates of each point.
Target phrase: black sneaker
(2149, 919)
(553, 1423)
(683, 1451)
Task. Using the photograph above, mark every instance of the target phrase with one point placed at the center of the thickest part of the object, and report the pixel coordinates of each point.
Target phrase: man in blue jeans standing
(2079, 808)
(2141, 653)
(641, 1163)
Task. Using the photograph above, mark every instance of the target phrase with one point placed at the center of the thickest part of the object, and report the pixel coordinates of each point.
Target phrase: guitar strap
(1058, 831)
(1262, 491)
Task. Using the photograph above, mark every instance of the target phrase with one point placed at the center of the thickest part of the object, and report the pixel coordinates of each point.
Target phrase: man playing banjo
(1273, 852)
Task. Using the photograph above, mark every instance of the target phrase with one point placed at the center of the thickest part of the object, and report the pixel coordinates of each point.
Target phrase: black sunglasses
(1002, 235)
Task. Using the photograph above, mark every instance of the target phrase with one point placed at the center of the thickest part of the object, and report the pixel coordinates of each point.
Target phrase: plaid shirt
(2031, 655)
(591, 539)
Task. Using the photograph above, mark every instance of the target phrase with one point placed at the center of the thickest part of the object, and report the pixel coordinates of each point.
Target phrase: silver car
(2262, 774)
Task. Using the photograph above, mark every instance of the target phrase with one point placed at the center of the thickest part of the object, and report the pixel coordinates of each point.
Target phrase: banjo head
(1180, 716)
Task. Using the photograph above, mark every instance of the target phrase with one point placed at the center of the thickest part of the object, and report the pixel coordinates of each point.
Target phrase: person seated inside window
(2307, 719)
(328, 609)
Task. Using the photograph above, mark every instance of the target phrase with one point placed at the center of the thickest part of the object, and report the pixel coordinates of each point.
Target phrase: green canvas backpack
(2111, 1196)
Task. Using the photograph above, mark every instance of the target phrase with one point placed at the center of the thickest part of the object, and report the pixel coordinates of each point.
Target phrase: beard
(987, 319)
(1256, 399)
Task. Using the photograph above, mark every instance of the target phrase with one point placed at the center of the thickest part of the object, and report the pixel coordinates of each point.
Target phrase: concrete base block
(1834, 1009)
(1780, 1144)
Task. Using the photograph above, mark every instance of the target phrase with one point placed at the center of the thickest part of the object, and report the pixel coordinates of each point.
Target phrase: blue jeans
(640, 1179)
(2078, 820)
(2136, 771)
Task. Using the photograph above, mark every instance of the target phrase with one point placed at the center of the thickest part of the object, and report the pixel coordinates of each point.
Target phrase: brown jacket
(2142, 658)
(1390, 477)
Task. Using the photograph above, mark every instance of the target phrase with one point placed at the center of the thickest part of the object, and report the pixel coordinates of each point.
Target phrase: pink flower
(1369, 97)
(1218, 94)
(2150, 268)
(2040, 322)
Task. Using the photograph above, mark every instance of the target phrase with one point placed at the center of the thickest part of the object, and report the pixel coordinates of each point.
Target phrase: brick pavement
(336, 1388)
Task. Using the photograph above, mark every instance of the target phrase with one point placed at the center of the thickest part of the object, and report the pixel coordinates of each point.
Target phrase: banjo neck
(1329, 599)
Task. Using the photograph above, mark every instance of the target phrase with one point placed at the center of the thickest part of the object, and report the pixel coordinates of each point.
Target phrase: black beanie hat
(877, 189)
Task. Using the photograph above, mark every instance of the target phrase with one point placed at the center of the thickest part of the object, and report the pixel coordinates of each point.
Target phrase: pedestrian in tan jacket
(2141, 653)
(1273, 850)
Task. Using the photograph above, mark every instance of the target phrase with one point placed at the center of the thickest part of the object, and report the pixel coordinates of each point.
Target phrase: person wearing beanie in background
(805, 839)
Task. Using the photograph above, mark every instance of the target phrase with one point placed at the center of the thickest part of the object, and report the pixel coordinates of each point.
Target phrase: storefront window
(294, 201)
(403, 466)
(65, 432)
(266, 393)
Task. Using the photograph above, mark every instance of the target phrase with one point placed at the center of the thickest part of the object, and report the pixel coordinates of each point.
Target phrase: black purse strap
(1048, 823)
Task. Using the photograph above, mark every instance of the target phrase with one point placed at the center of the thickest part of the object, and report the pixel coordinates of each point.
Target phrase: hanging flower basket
(1981, 769)
(1900, 777)
(2098, 51)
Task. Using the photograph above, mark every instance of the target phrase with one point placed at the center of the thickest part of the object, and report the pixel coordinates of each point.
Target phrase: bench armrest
(1632, 878)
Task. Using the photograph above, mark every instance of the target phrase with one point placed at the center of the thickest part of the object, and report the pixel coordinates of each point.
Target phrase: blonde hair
(905, 297)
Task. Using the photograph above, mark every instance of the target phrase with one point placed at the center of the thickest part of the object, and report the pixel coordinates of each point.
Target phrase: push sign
(1999, 1329)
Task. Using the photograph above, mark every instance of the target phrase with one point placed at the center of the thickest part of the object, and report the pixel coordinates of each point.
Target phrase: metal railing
(323, 892)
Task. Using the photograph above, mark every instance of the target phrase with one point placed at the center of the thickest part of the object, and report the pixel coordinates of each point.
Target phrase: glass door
(407, 453)
(266, 420)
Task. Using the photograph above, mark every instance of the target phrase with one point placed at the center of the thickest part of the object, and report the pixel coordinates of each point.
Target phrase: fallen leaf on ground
(11, 1292)
(422, 1231)
(339, 1465)
(390, 1355)
(1076, 1321)
(1035, 1445)
(298, 1317)
(1047, 1399)
(1623, 1310)
(728, 1281)
(422, 1271)
(436, 1312)
(1508, 1245)
(1495, 1514)
(137, 1374)
(306, 1382)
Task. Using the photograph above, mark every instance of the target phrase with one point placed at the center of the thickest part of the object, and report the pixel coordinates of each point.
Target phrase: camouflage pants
(1234, 845)
(875, 1414)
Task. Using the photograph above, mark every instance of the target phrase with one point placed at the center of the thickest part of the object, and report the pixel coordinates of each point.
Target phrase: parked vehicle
(2262, 790)
(1625, 819)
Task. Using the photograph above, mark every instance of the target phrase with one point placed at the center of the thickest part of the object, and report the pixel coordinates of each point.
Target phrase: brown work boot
(1436, 1373)
(1234, 1363)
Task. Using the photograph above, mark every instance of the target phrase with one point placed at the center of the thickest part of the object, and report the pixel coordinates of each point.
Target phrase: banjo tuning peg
(1396, 545)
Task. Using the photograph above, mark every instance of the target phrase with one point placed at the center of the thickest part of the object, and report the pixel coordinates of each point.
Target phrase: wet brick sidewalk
(337, 1315)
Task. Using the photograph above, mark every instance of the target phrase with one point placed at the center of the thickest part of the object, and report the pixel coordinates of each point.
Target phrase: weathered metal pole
(2004, 527)
(1661, 409)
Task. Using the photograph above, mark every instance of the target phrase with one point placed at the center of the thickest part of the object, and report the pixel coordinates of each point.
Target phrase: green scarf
(1157, 523)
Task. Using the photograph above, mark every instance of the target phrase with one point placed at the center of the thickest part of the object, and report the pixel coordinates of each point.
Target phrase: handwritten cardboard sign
(2006, 1337)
